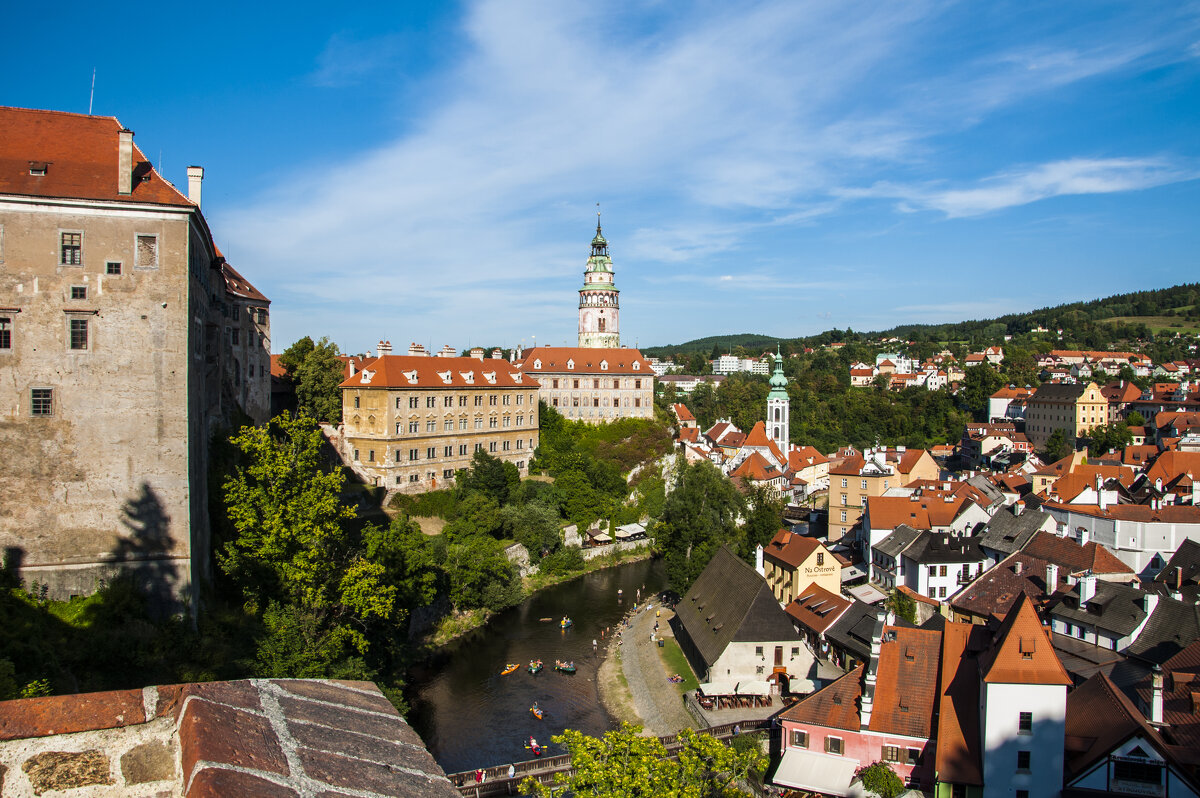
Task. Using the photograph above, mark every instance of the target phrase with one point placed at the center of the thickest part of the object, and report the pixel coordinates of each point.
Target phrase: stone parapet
(274, 737)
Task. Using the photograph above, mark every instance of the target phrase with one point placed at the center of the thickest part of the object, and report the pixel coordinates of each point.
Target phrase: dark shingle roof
(903, 537)
(1008, 532)
(1115, 607)
(852, 632)
(730, 602)
(1172, 627)
(940, 547)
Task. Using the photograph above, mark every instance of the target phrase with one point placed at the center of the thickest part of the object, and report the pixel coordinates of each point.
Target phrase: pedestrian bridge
(543, 769)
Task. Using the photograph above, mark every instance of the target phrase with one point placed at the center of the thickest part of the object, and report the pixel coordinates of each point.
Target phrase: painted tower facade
(599, 306)
(777, 405)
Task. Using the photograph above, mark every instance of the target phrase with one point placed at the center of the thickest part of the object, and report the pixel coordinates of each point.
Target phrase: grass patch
(457, 624)
(676, 662)
(1158, 324)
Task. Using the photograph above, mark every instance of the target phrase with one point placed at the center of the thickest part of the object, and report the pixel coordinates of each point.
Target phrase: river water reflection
(470, 716)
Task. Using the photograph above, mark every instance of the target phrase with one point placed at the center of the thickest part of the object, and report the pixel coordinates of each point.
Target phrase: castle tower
(777, 405)
(599, 308)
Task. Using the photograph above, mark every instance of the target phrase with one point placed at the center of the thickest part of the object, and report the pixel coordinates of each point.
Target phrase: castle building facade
(411, 421)
(118, 358)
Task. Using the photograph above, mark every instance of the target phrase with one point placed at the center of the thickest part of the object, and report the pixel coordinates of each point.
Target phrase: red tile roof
(758, 438)
(81, 157)
(801, 457)
(834, 706)
(553, 360)
(405, 371)
(1068, 554)
(689, 434)
(238, 285)
(1170, 513)
(1022, 653)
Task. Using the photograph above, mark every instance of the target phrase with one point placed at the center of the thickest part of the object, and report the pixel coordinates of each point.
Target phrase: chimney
(758, 560)
(195, 182)
(1017, 567)
(1149, 602)
(353, 366)
(1087, 587)
(1018, 507)
(1051, 577)
(477, 353)
(1156, 695)
(1100, 492)
(1084, 536)
(868, 693)
(497, 354)
(384, 348)
(125, 162)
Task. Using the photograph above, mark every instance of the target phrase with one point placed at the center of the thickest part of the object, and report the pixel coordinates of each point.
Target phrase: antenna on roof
(92, 95)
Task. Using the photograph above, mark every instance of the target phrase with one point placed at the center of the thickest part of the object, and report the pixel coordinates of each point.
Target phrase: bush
(564, 561)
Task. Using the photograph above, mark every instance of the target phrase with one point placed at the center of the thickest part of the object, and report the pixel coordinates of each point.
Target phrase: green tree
(764, 518)
(880, 779)
(480, 575)
(902, 605)
(490, 476)
(699, 515)
(316, 372)
(625, 764)
(534, 526)
(1108, 437)
(979, 383)
(1135, 419)
(286, 509)
(1058, 446)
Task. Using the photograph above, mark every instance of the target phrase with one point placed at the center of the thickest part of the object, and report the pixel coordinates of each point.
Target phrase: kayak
(537, 712)
(512, 666)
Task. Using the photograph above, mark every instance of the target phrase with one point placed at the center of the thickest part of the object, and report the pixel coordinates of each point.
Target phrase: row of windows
(862, 484)
(447, 473)
(616, 384)
(414, 427)
(431, 452)
(596, 402)
(449, 401)
(77, 333)
(70, 252)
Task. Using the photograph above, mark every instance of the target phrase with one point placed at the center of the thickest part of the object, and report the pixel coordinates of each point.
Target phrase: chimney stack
(1051, 577)
(195, 176)
(1100, 492)
(1087, 587)
(758, 560)
(125, 162)
(1156, 695)
(868, 693)
(384, 348)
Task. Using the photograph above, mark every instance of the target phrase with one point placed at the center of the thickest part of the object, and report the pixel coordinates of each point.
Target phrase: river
(470, 716)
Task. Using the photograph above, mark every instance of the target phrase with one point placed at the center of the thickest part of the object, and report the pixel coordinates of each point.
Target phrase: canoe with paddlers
(535, 666)
(565, 667)
(512, 666)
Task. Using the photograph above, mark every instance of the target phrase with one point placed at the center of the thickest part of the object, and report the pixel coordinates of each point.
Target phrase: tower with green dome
(777, 405)
(599, 306)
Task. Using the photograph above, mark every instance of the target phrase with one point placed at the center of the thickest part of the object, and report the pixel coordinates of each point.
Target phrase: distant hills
(1137, 314)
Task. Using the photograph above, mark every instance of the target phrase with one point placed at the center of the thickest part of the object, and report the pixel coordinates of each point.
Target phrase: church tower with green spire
(599, 306)
(777, 405)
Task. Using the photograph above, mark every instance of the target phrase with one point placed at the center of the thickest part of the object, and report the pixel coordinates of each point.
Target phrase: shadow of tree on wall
(145, 552)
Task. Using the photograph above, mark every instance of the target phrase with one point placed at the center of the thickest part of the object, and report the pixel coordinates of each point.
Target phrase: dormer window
(38, 168)
(490, 376)
(411, 376)
(445, 375)
(366, 375)
(636, 365)
(468, 377)
(571, 364)
(537, 364)
(604, 365)
(517, 377)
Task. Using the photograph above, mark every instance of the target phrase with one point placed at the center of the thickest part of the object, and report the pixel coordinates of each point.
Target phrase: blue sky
(429, 172)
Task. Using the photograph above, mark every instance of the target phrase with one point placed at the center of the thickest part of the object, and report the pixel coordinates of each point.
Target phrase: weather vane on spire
(597, 217)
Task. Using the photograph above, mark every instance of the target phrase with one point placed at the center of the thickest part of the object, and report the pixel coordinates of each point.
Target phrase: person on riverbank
(512, 771)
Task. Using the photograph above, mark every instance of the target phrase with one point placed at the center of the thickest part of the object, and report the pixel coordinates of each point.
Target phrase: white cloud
(1059, 178)
(476, 220)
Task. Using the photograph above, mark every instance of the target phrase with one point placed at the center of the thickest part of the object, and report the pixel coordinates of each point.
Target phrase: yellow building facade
(410, 422)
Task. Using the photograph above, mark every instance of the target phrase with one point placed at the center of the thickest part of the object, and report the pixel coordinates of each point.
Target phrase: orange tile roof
(689, 434)
(757, 468)
(889, 512)
(906, 689)
(1169, 513)
(682, 413)
(1171, 465)
(277, 369)
(959, 756)
(1139, 455)
(406, 371)
(554, 359)
(817, 609)
(801, 457)
(758, 438)
(81, 154)
(1070, 485)
(1022, 653)
(834, 706)
(790, 548)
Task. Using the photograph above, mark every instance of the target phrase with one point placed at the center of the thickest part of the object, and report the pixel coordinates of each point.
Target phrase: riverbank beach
(634, 682)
